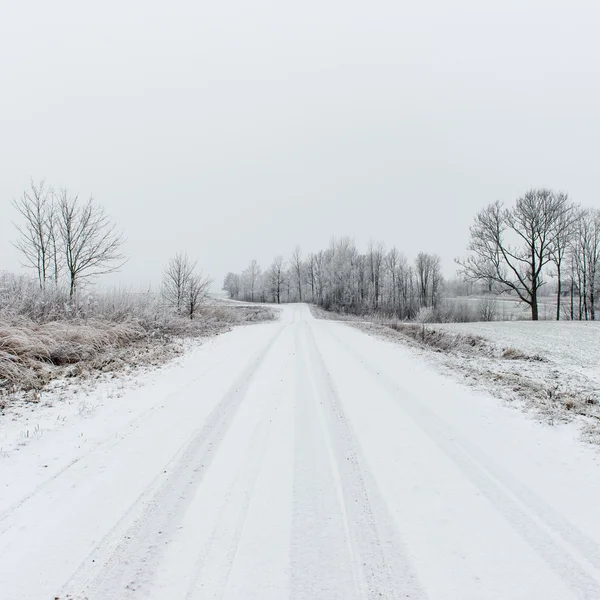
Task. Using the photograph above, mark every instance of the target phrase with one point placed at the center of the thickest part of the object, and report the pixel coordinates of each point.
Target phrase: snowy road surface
(302, 459)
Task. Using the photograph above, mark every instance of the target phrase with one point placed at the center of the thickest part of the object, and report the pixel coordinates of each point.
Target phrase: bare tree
(56, 257)
(562, 238)
(195, 292)
(311, 271)
(276, 278)
(250, 278)
(89, 240)
(512, 247)
(232, 285)
(436, 279)
(296, 267)
(37, 241)
(586, 258)
(488, 307)
(391, 263)
(429, 278)
(594, 261)
(423, 274)
(319, 272)
(376, 257)
(176, 280)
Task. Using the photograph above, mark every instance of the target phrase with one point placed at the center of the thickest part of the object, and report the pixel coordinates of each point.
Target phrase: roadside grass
(110, 334)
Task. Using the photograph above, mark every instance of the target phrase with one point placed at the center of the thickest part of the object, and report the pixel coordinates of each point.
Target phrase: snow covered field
(570, 345)
(297, 459)
(548, 368)
(564, 384)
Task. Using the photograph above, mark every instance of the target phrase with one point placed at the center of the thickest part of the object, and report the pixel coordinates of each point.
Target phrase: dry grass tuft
(30, 351)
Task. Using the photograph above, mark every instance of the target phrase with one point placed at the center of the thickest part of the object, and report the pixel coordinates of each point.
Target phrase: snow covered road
(302, 459)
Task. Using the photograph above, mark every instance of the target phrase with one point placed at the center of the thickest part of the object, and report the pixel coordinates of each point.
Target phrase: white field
(571, 346)
(297, 459)
(509, 308)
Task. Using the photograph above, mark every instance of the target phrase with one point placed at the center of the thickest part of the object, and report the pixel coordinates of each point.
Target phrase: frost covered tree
(63, 236)
(563, 235)
(429, 278)
(176, 281)
(342, 278)
(183, 287)
(375, 260)
(250, 280)
(232, 285)
(276, 279)
(196, 291)
(297, 269)
(586, 262)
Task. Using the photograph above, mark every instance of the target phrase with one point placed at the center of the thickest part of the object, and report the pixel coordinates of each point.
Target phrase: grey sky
(234, 130)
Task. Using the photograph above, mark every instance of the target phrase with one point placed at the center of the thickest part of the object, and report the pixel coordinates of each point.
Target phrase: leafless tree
(196, 291)
(296, 266)
(436, 279)
(89, 240)
(37, 235)
(586, 259)
(341, 278)
(319, 272)
(423, 274)
(391, 263)
(232, 285)
(563, 233)
(488, 307)
(376, 257)
(429, 278)
(512, 246)
(250, 279)
(176, 281)
(55, 247)
(311, 272)
(276, 278)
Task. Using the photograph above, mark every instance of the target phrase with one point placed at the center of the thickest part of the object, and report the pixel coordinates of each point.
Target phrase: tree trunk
(572, 299)
(558, 291)
(534, 305)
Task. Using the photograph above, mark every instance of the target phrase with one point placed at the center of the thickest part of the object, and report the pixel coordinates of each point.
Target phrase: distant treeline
(514, 250)
(344, 279)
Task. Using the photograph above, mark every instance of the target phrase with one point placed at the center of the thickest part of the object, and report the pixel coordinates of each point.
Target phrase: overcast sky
(235, 129)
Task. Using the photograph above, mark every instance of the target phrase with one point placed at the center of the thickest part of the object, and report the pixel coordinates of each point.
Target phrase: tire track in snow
(320, 554)
(541, 526)
(215, 560)
(107, 442)
(380, 560)
(126, 559)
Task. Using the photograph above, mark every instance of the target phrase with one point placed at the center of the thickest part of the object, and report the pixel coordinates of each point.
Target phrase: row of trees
(544, 234)
(513, 249)
(342, 278)
(61, 236)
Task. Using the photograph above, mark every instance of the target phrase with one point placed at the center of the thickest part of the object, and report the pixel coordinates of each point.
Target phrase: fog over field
(237, 130)
(299, 300)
